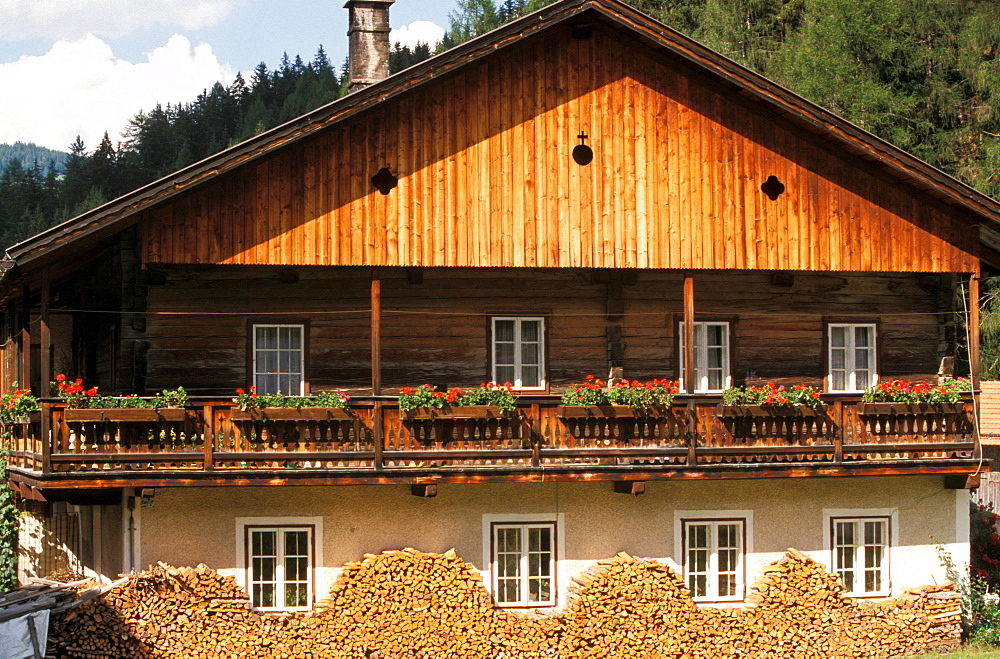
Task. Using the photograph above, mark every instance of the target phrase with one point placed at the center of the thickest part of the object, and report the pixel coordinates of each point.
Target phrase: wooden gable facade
(708, 195)
(487, 178)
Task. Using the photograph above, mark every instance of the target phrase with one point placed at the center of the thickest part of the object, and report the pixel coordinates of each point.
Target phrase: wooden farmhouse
(583, 191)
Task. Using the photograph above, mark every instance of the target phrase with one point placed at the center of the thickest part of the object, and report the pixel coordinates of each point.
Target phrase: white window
(523, 564)
(519, 352)
(861, 554)
(711, 357)
(279, 359)
(714, 558)
(852, 356)
(279, 566)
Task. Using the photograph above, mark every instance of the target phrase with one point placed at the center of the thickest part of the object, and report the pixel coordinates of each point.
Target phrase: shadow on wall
(49, 546)
(409, 603)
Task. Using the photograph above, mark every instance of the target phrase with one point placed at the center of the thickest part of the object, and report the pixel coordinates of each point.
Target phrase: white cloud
(72, 19)
(417, 32)
(81, 88)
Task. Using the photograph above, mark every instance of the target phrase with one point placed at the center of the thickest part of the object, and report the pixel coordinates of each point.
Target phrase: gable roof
(120, 213)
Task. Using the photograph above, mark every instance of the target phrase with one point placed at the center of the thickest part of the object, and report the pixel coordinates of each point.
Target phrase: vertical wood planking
(487, 178)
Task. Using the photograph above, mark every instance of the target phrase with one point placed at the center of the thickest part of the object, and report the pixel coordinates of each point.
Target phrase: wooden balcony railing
(696, 433)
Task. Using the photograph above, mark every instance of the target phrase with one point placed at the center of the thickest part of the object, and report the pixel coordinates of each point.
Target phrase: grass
(968, 652)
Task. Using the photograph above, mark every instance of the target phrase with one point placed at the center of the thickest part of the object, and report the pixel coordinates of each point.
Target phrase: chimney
(368, 42)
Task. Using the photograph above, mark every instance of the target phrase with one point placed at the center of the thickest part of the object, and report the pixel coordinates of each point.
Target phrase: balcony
(210, 443)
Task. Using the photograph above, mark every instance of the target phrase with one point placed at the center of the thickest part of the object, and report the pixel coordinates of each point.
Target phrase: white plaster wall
(187, 526)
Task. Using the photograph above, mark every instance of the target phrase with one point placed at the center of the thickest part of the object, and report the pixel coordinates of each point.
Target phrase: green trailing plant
(774, 395)
(501, 396)
(594, 391)
(249, 399)
(14, 406)
(9, 518)
(950, 390)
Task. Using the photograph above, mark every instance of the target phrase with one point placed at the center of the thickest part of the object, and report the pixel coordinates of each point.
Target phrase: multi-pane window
(279, 567)
(711, 356)
(278, 359)
(713, 558)
(852, 356)
(523, 564)
(860, 553)
(519, 352)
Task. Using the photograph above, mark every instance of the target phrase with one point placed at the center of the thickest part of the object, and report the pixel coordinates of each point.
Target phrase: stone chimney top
(368, 42)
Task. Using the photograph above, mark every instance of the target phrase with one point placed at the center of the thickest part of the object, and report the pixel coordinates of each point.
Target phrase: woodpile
(422, 606)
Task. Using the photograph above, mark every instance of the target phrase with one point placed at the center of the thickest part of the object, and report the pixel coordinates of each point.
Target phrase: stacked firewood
(421, 605)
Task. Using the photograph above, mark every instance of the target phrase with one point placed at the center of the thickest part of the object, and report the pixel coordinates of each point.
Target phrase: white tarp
(15, 636)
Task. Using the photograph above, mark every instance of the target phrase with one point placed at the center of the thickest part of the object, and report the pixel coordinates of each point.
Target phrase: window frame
(556, 522)
(244, 567)
(840, 514)
(543, 385)
(859, 569)
(728, 369)
(828, 324)
(714, 519)
(303, 325)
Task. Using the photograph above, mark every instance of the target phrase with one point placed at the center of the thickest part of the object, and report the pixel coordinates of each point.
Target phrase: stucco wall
(187, 526)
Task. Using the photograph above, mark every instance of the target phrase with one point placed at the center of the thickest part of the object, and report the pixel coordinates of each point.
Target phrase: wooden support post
(689, 374)
(211, 437)
(44, 334)
(837, 414)
(974, 329)
(613, 324)
(376, 334)
(25, 380)
(45, 372)
(377, 415)
(534, 428)
(46, 436)
(424, 490)
(635, 488)
(692, 433)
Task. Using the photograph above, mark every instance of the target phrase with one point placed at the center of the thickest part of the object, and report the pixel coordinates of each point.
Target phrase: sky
(83, 67)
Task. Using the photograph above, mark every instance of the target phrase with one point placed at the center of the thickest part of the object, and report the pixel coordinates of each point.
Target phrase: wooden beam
(689, 374)
(974, 329)
(376, 333)
(961, 481)
(45, 334)
(281, 477)
(378, 416)
(635, 488)
(424, 490)
(25, 380)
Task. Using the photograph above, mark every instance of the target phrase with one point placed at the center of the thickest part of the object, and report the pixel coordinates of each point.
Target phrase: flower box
(125, 415)
(292, 414)
(455, 412)
(889, 409)
(738, 411)
(599, 411)
(32, 417)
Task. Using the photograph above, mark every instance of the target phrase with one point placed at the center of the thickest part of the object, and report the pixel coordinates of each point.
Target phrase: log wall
(410, 603)
(486, 178)
(438, 330)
